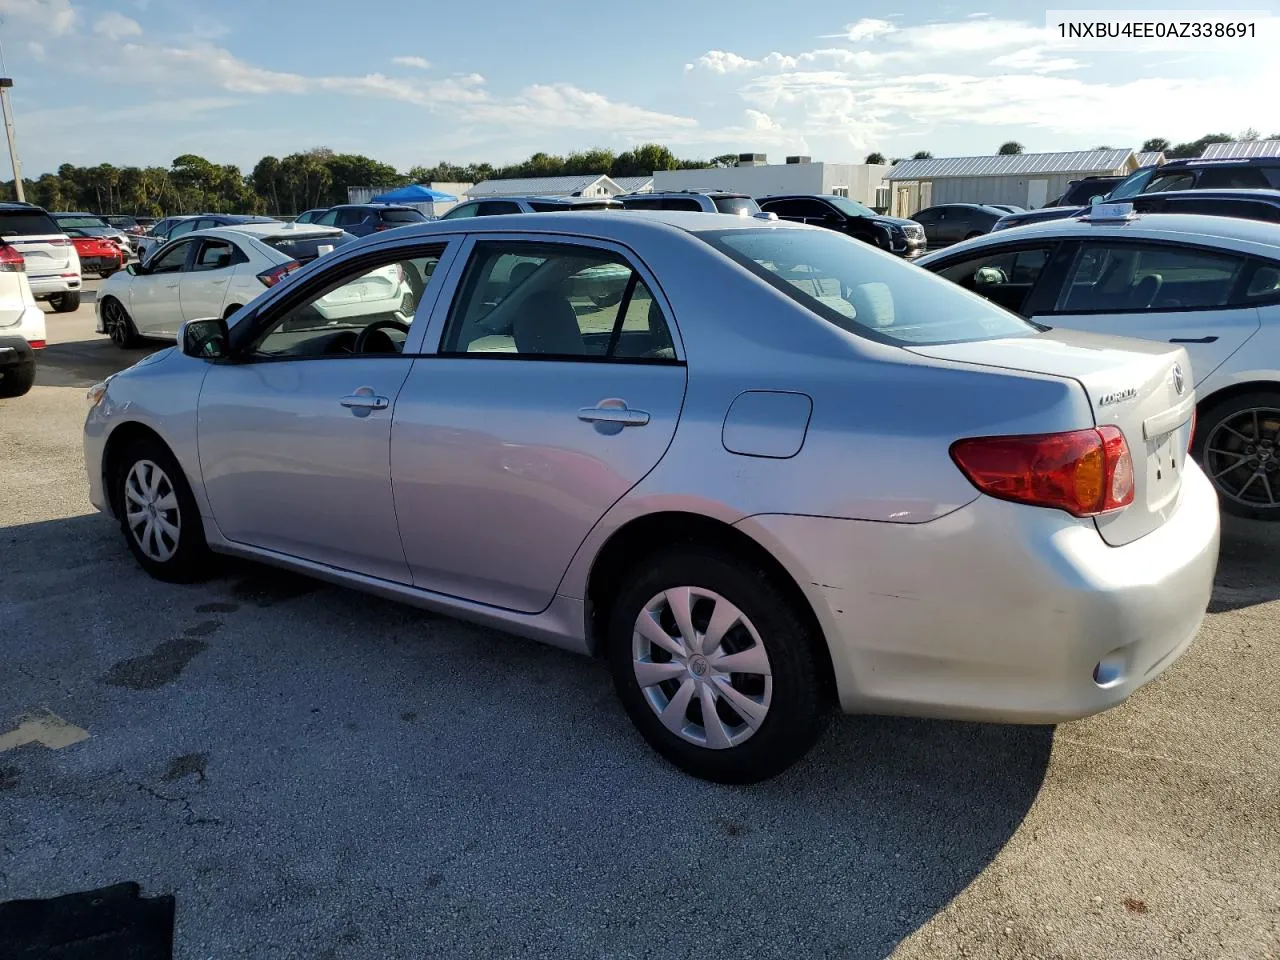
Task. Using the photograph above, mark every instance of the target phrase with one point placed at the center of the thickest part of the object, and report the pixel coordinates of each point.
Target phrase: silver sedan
(761, 468)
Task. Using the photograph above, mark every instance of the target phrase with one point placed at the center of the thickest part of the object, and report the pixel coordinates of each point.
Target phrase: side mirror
(205, 339)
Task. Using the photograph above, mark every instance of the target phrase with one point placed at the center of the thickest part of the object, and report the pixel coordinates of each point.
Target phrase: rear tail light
(273, 276)
(1191, 437)
(1084, 472)
(11, 260)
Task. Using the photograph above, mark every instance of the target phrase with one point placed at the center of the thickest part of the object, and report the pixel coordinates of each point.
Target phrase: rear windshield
(402, 216)
(121, 221)
(24, 223)
(864, 291)
(305, 249)
(81, 222)
(742, 206)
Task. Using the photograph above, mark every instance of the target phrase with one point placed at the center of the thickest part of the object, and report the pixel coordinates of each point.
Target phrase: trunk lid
(1141, 386)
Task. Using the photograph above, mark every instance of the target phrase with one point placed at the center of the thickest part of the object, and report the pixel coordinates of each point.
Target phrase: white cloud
(867, 28)
(36, 50)
(50, 16)
(718, 61)
(116, 26)
(419, 62)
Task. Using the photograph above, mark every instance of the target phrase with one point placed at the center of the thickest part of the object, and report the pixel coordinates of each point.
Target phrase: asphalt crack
(189, 816)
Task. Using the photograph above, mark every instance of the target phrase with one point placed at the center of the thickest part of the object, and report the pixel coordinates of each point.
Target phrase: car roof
(692, 192)
(275, 228)
(1255, 236)
(1223, 162)
(1214, 193)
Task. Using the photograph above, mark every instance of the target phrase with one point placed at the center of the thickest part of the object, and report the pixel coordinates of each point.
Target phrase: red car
(100, 255)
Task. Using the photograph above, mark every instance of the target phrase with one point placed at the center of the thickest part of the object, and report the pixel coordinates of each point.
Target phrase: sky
(143, 81)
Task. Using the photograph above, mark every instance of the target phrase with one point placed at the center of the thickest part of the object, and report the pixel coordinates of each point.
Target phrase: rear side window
(1227, 177)
(1264, 285)
(1244, 209)
(496, 208)
(642, 203)
(24, 223)
(306, 249)
(402, 216)
(82, 222)
(742, 206)
(880, 298)
(1133, 277)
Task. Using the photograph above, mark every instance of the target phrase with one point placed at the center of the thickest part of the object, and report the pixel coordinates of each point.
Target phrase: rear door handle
(613, 411)
(1193, 339)
(362, 400)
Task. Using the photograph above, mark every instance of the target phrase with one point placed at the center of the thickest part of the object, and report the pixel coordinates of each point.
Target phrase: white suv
(53, 266)
(21, 325)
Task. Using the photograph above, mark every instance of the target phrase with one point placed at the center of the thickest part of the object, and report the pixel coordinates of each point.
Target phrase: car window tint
(171, 260)
(854, 287)
(328, 322)
(305, 249)
(742, 206)
(214, 255)
(1264, 284)
(1171, 181)
(22, 223)
(1245, 209)
(554, 300)
(1003, 276)
(457, 213)
(328, 218)
(493, 208)
(1114, 276)
(351, 216)
(1226, 177)
(181, 227)
(642, 203)
(402, 216)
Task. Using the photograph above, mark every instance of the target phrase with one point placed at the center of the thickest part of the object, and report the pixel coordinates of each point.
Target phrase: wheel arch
(1233, 390)
(118, 441)
(650, 532)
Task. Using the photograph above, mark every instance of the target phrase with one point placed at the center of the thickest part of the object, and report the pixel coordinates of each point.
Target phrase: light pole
(5, 84)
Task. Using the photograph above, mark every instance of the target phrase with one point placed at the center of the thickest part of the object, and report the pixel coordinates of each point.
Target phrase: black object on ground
(113, 923)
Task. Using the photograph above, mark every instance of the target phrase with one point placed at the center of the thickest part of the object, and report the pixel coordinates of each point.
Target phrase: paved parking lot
(315, 773)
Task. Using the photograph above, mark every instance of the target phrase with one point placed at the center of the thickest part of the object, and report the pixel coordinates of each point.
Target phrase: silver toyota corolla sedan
(760, 467)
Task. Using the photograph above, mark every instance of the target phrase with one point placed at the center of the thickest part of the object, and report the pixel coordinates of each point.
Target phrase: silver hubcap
(151, 510)
(1242, 457)
(702, 667)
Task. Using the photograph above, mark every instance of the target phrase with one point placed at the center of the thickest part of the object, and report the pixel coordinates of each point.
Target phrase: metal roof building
(635, 184)
(1241, 148)
(588, 185)
(1153, 158)
(1027, 179)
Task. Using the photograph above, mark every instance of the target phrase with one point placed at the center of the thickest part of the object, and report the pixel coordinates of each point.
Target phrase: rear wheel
(972, 234)
(66, 302)
(715, 666)
(118, 324)
(15, 381)
(158, 513)
(1237, 443)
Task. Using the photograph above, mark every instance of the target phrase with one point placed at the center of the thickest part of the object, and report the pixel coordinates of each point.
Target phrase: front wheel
(158, 513)
(118, 324)
(1237, 443)
(715, 665)
(66, 302)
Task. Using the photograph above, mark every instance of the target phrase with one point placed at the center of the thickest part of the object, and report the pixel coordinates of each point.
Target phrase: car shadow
(1247, 572)
(82, 363)
(487, 776)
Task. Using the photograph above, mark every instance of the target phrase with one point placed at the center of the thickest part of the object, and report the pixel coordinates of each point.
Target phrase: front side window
(181, 227)
(171, 260)
(850, 208)
(1003, 276)
(214, 255)
(1171, 181)
(555, 301)
(329, 218)
(846, 283)
(465, 210)
(362, 310)
(1117, 277)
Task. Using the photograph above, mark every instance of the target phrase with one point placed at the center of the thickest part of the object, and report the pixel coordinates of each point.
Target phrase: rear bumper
(15, 352)
(100, 264)
(1000, 612)
(48, 285)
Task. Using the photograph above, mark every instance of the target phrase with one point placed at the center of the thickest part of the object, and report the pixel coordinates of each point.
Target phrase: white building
(755, 177)
(635, 184)
(1027, 179)
(589, 185)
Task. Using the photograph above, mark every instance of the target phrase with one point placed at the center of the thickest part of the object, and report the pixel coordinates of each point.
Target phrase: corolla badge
(1117, 396)
(1178, 383)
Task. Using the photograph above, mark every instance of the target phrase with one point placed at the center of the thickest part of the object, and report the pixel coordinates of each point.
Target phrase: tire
(119, 324)
(1226, 434)
(16, 381)
(226, 314)
(66, 302)
(181, 559)
(975, 233)
(793, 694)
(106, 273)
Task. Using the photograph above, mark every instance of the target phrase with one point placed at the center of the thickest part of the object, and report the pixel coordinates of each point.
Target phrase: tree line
(318, 177)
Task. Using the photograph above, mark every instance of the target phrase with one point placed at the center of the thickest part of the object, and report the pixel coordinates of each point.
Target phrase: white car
(213, 273)
(52, 264)
(1210, 284)
(22, 329)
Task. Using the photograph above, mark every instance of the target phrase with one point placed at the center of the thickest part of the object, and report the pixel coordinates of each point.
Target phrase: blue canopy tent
(414, 193)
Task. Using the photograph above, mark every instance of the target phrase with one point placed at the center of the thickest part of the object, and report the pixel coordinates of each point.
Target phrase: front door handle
(613, 412)
(1193, 339)
(363, 400)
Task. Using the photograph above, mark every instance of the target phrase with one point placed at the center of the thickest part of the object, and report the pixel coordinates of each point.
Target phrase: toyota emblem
(1178, 383)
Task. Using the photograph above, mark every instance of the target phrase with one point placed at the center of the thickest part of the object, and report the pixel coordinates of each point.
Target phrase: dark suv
(903, 237)
(362, 219)
(1246, 173)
